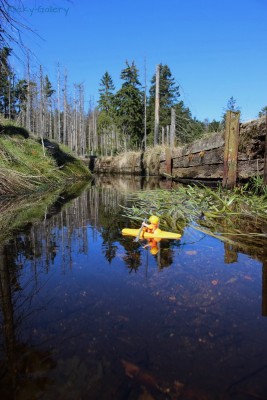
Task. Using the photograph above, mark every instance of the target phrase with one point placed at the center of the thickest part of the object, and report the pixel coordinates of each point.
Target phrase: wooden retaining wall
(203, 159)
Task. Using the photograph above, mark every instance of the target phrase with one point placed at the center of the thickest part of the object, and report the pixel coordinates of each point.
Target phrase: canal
(87, 313)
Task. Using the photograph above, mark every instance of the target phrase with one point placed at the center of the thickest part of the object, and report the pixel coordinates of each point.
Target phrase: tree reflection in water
(76, 324)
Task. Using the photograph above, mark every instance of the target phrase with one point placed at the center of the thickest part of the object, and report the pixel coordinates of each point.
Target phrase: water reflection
(20, 363)
(87, 313)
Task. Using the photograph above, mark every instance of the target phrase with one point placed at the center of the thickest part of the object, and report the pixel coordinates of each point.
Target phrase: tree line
(122, 119)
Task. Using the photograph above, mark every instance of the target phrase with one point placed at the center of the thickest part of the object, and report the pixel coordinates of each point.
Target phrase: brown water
(89, 314)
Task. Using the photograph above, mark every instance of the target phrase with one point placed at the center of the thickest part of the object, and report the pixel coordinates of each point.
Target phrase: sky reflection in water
(91, 314)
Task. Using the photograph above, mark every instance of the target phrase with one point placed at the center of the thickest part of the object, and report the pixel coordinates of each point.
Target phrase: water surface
(89, 314)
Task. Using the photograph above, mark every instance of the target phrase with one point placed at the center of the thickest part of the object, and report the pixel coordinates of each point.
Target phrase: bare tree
(12, 26)
(58, 104)
(145, 108)
(156, 128)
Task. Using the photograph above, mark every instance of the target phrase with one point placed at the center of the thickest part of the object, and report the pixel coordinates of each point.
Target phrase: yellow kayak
(148, 235)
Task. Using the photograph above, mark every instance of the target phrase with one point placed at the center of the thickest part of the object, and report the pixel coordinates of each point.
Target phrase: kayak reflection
(153, 245)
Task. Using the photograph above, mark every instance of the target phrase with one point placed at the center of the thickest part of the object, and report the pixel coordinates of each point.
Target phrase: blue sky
(215, 49)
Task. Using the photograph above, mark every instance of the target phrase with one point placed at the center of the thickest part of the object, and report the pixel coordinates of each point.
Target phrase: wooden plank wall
(202, 159)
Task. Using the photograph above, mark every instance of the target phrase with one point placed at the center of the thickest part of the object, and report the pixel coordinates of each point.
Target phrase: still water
(89, 314)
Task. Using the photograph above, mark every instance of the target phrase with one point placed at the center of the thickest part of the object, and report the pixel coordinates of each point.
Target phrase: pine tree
(262, 112)
(106, 107)
(106, 97)
(129, 107)
(230, 106)
(187, 127)
(168, 93)
(6, 82)
(20, 91)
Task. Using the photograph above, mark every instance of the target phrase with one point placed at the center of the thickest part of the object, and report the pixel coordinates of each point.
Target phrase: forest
(130, 117)
(123, 119)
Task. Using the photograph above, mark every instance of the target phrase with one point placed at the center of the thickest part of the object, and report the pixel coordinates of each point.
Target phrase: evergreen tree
(230, 106)
(106, 107)
(106, 96)
(6, 82)
(262, 112)
(106, 102)
(129, 106)
(187, 127)
(47, 88)
(214, 126)
(169, 94)
(21, 90)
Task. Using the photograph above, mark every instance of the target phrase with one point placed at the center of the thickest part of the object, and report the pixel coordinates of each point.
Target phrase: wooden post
(156, 128)
(265, 155)
(168, 157)
(231, 149)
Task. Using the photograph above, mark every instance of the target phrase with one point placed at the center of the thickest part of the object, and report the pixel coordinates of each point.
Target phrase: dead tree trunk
(145, 110)
(58, 104)
(156, 128)
(28, 100)
(172, 134)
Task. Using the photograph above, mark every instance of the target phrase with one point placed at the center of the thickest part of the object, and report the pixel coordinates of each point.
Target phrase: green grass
(26, 168)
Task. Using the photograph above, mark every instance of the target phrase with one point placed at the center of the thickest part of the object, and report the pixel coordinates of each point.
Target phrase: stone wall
(202, 159)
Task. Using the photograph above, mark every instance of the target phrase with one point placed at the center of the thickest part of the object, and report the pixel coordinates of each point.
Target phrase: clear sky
(215, 48)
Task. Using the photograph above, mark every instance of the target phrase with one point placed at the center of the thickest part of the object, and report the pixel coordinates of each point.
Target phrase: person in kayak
(153, 226)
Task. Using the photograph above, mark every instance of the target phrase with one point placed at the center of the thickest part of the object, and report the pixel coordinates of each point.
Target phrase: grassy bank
(26, 166)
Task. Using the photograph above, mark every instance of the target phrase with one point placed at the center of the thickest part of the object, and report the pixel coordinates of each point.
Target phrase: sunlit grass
(25, 167)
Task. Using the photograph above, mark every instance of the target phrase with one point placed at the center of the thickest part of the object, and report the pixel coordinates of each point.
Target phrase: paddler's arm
(148, 227)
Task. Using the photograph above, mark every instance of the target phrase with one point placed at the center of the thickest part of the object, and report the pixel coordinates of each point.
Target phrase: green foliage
(255, 186)
(13, 92)
(230, 106)
(21, 90)
(169, 94)
(130, 75)
(187, 128)
(106, 96)
(214, 126)
(6, 76)
(104, 121)
(129, 106)
(263, 112)
(106, 105)
(47, 88)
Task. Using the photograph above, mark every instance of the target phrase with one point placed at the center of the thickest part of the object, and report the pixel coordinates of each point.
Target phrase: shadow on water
(87, 313)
